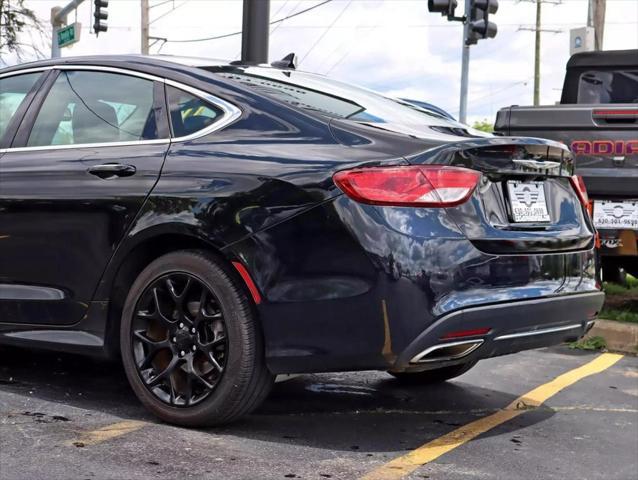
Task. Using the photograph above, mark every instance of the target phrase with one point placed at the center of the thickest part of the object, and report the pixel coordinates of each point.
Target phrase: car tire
(631, 267)
(191, 346)
(614, 271)
(436, 375)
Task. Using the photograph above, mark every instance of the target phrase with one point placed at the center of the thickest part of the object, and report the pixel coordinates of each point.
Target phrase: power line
(161, 3)
(279, 11)
(325, 32)
(239, 32)
(169, 12)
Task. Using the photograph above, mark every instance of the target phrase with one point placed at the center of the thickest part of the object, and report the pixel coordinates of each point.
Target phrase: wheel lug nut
(182, 353)
(181, 325)
(193, 348)
(193, 330)
(174, 339)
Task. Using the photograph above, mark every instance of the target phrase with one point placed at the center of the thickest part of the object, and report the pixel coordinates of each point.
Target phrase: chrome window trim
(25, 71)
(230, 111)
(157, 141)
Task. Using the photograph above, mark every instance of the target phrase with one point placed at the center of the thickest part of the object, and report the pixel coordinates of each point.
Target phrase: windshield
(331, 98)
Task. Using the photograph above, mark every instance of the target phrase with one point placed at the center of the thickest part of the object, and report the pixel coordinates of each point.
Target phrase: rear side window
(608, 87)
(95, 107)
(190, 114)
(13, 90)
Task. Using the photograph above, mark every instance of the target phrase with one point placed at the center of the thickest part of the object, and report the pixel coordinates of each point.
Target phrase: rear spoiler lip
(447, 154)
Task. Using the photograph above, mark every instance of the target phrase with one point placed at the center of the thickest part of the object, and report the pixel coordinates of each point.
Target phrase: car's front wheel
(190, 343)
(436, 375)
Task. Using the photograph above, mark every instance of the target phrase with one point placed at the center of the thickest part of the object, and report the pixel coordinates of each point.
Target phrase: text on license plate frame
(616, 214)
(528, 202)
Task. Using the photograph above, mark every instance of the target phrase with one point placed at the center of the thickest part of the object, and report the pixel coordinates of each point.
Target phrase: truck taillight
(409, 186)
(579, 185)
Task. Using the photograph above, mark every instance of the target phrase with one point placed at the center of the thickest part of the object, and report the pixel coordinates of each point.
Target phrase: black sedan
(218, 224)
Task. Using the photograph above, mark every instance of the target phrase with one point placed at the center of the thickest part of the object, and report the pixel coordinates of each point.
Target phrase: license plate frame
(528, 202)
(616, 214)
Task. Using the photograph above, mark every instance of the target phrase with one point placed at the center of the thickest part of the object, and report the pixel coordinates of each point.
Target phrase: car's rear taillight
(409, 186)
(579, 186)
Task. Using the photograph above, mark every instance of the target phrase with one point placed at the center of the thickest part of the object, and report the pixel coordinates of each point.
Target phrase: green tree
(484, 126)
(16, 20)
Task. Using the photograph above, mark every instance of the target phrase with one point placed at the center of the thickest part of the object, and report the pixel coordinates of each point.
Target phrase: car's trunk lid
(524, 202)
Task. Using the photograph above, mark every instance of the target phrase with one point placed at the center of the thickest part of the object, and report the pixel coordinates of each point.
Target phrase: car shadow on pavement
(363, 411)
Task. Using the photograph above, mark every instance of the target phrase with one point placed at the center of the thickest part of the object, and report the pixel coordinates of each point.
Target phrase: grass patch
(619, 315)
(591, 343)
(621, 303)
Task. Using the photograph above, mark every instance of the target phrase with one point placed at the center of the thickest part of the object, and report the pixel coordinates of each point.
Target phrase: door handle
(110, 170)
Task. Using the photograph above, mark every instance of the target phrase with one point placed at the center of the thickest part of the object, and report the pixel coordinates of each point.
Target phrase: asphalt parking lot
(68, 417)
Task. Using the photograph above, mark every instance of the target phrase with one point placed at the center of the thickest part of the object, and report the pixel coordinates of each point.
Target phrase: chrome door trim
(158, 141)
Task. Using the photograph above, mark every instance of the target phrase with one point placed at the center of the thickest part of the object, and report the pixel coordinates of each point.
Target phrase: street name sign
(69, 35)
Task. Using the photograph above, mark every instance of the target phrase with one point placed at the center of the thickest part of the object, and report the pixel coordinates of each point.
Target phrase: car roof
(149, 60)
(605, 58)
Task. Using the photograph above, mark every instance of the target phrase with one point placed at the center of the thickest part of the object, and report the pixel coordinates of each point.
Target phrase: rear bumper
(514, 326)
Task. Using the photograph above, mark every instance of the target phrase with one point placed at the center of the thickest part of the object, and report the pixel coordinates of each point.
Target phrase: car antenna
(288, 62)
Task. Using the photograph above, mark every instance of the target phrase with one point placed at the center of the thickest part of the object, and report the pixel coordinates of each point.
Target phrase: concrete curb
(620, 336)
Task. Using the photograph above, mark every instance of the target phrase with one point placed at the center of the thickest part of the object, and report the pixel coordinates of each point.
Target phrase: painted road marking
(406, 464)
(107, 433)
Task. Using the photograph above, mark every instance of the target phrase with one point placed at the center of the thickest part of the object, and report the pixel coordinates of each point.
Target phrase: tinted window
(329, 97)
(608, 87)
(95, 107)
(12, 92)
(189, 113)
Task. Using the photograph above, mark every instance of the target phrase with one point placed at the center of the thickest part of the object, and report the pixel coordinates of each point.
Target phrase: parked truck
(598, 119)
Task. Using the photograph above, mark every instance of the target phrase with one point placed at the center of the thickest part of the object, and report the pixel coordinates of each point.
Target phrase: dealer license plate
(616, 214)
(527, 200)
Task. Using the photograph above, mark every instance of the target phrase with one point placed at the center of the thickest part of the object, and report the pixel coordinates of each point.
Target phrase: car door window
(13, 90)
(190, 114)
(95, 107)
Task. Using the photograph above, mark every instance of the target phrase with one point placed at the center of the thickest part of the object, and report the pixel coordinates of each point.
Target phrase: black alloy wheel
(179, 339)
(191, 343)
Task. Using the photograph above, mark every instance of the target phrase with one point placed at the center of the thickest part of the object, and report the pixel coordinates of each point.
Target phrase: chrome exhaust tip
(447, 351)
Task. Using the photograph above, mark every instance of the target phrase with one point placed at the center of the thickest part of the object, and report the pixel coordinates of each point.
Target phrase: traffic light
(478, 22)
(444, 7)
(100, 14)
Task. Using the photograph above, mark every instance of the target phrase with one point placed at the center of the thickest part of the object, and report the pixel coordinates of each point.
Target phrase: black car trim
(28, 119)
(500, 319)
(16, 291)
(14, 124)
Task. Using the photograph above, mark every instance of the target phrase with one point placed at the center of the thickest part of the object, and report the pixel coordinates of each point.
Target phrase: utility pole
(476, 26)
(144, 29)
(255, 31)
(596, 19)
(537, 56)
(537, 46)
(465, 66)
(58, 19)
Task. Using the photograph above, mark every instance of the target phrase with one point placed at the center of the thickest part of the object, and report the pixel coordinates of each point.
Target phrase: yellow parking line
(107, 433)
(404, 465)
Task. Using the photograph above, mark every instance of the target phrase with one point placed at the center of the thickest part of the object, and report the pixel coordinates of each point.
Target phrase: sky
(393, 46)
